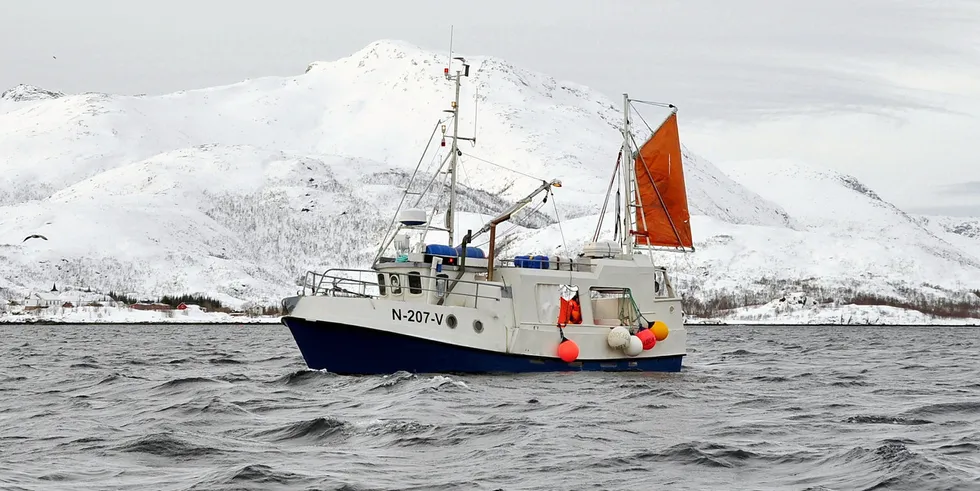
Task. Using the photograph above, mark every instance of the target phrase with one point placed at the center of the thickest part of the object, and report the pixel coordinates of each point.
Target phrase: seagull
(35, 236)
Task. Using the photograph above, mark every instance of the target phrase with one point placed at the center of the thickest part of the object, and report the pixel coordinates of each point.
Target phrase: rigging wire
(561, 230)
(653, 103)
(602, 213)
(405, 193)
(432, 180)
(641, 117)
(435, 208)
(529, 212)
(459, 165)
(558, 218)
(434, 158)
(502, 167)
(513, 225)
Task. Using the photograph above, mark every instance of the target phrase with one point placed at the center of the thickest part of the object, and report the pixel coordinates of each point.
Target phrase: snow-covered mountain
(236, 191)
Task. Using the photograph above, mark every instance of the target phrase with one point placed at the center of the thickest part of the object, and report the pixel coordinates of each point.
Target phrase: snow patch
(26, 93)
(236, 191)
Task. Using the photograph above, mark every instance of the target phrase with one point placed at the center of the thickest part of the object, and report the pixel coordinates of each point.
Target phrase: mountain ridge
(236, 190)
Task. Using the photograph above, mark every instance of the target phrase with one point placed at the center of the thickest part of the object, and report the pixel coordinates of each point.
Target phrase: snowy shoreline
(45, 322)
(4, 322)
(127, 315)
(786, 311)
(21, 321)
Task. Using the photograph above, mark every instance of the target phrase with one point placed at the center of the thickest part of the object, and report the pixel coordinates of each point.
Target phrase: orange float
(567, 351)
(648, 338)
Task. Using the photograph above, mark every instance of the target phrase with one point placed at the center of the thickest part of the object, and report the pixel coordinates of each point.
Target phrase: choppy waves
(227, 407)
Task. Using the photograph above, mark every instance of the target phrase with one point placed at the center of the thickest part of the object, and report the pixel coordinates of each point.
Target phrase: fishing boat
(455, 308)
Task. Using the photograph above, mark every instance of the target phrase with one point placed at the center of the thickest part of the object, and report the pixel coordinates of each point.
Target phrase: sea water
(233, 407)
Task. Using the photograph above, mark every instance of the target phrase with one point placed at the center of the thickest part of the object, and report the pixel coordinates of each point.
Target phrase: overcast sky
(886, 90)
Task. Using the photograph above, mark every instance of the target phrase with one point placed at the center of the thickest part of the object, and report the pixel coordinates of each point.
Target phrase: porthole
(477, 326)
(451, 321)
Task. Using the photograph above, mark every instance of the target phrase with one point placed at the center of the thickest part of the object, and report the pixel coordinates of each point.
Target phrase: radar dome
(412, 216)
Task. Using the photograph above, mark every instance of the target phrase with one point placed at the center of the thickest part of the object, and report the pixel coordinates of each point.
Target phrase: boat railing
(550, 263)
(553, 263)
(363, 283)
(339, 283)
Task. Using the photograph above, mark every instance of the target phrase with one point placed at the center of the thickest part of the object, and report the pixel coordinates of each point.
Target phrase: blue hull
(353, 350)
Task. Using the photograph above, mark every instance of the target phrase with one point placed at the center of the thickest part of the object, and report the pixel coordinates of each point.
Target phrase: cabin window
(381, 283)
(659, 284)
(612, 306)
(549, 297)
(549, 301)
(441, 284)
(415, 283)
(396, 288)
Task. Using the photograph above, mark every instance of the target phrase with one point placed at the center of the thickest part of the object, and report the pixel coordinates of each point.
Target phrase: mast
(633, 216)
(454, 148)
(626, 237)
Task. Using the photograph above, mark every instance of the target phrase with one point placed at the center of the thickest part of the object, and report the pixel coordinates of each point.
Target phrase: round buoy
(660, 330)
(618, 337)
(635, 347)
(568, 351)
(648, 339)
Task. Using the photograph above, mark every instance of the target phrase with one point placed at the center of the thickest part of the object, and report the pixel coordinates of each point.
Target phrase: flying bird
(34, 236)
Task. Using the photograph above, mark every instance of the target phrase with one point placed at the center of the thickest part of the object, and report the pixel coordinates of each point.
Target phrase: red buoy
(648, 338)
(568, 351)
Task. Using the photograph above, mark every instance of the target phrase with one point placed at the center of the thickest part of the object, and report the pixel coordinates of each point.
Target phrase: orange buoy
(660, 330)
(648, 338)
(568, 351)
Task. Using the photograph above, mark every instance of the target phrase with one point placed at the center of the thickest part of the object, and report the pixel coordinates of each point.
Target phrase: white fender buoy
(635, 346)
(618, 337)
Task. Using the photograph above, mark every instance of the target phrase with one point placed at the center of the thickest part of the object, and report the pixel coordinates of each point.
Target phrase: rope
(563, 243)
(623, 316)
(628, 293)
(558, 217)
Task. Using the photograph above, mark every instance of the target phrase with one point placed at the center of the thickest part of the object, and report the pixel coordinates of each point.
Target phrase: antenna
(454, 151)
(476, 111)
